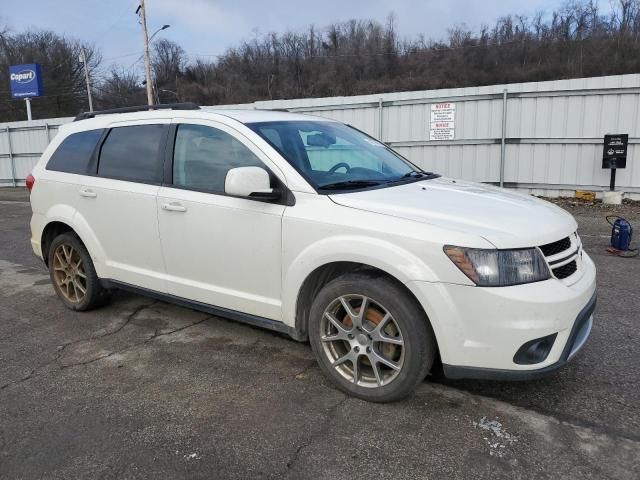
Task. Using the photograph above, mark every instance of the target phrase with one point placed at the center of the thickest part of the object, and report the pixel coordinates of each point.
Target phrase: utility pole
(83, 59)
(147, 65)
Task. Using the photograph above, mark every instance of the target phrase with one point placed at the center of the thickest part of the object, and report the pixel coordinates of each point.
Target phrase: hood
(505, 218)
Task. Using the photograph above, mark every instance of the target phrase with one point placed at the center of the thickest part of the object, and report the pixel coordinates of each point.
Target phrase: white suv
(309, 227)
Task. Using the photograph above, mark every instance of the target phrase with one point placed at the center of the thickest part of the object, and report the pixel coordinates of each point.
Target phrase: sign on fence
(443, 121)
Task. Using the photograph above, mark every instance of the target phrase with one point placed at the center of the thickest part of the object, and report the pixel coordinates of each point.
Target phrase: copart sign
(25, 80)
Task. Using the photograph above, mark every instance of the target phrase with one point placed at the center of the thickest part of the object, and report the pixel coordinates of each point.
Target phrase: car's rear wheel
(73, 275)
(371, 337)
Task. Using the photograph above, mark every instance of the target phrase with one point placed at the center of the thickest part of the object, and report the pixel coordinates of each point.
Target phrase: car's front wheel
(371, 337)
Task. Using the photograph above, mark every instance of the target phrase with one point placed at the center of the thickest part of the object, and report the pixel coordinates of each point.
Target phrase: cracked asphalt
(144, 389)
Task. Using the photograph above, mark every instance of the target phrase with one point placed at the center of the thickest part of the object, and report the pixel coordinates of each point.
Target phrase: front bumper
(577, 338)
(479, 330)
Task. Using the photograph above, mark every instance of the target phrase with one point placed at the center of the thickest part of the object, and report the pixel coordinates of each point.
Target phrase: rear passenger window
(133, 153)
(74, 153)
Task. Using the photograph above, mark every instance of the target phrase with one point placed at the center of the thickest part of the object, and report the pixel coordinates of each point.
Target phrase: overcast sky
(207, 27)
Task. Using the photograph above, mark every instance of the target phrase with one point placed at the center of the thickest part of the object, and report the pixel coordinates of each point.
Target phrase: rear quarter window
(133, 153)
(74, 153)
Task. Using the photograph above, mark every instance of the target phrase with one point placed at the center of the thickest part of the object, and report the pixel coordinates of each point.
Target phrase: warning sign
(445, 134)
(443, 112)
(443, 121)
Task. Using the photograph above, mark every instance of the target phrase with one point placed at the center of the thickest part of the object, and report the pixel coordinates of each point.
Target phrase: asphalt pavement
(144, 389)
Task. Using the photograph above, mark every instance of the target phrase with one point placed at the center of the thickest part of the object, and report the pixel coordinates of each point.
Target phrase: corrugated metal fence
(21, 144)
(546, 137)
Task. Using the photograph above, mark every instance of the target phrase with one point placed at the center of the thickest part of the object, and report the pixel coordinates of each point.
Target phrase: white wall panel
(554, 131)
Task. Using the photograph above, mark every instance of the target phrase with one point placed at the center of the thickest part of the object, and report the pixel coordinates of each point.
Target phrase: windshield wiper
(413, 174)
(348, 184)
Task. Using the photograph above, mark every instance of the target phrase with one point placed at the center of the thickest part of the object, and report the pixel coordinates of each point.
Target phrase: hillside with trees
(348, 58)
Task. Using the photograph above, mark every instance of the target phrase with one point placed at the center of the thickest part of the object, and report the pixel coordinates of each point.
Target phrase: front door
(219, 250)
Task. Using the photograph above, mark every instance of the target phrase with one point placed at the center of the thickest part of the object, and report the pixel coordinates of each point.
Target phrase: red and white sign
(441, 125)
(443, 121)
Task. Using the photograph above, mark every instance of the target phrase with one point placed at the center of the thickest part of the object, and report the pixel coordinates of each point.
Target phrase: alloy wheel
(69, 274)
(362, 341)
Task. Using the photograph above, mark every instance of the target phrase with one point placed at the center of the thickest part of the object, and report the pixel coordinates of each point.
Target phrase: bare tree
(119, 89)
(345, 58)
(168, 61)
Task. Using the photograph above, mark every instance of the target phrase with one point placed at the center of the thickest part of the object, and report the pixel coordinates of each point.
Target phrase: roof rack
(138, 108)
(273, 109)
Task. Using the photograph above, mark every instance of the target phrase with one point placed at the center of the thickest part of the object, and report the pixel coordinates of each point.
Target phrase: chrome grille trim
(554, 263)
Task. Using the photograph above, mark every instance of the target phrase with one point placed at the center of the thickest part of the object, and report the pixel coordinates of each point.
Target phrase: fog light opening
(535, 351)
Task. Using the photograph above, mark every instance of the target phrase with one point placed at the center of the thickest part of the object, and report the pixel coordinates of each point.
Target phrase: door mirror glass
(249, 182)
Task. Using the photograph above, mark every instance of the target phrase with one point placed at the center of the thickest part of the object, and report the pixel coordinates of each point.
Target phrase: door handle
(87, 192)
(174, 207)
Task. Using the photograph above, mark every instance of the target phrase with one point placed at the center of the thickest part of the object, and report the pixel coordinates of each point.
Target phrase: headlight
(499, 268)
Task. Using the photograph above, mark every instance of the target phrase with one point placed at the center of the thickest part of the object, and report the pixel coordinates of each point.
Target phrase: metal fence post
(11, 159)
(380, 119)
(46, 129)
(504, 134)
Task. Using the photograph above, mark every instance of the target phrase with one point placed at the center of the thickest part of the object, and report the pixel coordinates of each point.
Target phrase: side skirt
(247, 318)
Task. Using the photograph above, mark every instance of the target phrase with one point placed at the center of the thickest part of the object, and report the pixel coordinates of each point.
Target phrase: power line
(121, 56)
(105, 32)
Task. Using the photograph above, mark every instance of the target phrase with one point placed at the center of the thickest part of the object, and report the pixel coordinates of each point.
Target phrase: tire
(391, 314)
(69, 259)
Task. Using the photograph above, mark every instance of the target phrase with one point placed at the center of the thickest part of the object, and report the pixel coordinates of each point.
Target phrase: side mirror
(251, 182)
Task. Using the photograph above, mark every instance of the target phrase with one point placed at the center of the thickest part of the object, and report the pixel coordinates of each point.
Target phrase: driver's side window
(203, 155)
(325, 153)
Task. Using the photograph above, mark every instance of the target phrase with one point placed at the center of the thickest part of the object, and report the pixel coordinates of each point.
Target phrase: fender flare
(385, 256)
(70, 217)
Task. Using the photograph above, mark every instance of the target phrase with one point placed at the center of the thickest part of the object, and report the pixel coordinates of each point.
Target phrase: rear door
(218, 249)
(67, 168)
(118, 202)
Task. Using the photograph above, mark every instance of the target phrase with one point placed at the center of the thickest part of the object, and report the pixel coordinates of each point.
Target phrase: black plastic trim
(247, 318)
(167, 167)
(92, 166)
(456, 372)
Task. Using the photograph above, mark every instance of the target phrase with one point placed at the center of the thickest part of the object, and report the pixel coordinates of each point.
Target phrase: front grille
(556, 247)
(565, 270)
(561, 251)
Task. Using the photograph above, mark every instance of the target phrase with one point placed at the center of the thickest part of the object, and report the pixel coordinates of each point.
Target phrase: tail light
(30, 181)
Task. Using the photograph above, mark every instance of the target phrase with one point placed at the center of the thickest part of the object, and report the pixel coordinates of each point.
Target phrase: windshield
(334, 156)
